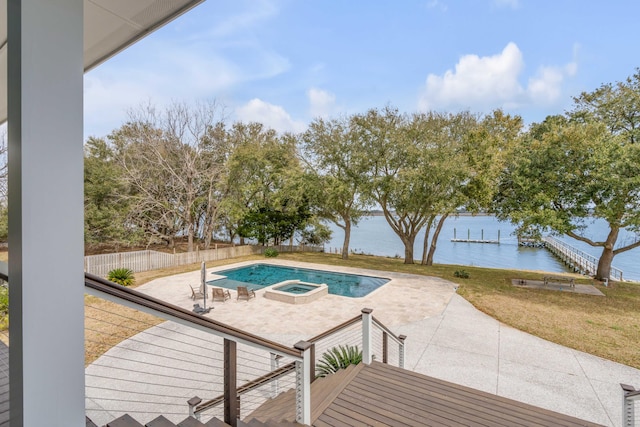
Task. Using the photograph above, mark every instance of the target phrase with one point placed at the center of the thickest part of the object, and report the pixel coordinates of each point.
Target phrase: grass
(607, 326)
(107, 323)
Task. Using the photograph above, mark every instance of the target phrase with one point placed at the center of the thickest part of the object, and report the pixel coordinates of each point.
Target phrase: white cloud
(488, 82)
(321, 102)
(513, 4)
(273, 116)
(165, 73)
(476, 81)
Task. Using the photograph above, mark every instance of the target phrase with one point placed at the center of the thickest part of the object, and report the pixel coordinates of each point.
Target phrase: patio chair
(244, 293)
(196, 293)
(219, 294)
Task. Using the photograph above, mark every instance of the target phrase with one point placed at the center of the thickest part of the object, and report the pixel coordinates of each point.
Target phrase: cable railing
(145, 357)
(630, 406)
(384, 346)
(388, 345)
(160, 356)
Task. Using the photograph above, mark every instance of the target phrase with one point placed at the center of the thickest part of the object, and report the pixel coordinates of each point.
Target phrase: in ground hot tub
(296, 292)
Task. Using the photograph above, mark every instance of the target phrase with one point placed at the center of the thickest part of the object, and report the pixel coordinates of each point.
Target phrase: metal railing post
(385, 347)
(312, 367)
(366, 335)
(230, 383)
(303, 384)
(193, 402)
(401, 351)
(275, 364)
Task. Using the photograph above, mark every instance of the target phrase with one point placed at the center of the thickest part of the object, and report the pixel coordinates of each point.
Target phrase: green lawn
(607, 326)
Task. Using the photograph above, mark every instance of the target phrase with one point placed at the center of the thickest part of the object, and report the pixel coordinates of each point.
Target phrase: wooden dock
(578, 260)
(475, 241)
(470, 240)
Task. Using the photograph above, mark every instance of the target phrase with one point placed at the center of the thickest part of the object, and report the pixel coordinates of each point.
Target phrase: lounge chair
(244, 293)
(219, 294)
(196, 293)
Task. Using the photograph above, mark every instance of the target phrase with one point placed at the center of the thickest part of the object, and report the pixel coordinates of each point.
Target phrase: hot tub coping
(272, 293)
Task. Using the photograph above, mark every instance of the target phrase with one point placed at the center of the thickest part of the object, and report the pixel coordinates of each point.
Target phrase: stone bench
(556, 279)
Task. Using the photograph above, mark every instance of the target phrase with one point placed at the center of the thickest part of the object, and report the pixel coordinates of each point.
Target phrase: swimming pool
(258, 276)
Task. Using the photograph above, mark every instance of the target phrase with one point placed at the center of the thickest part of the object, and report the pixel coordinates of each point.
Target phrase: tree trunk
(408, 242)
(604, 263)
(190, 233)
(434, 239)
(347, 238)
(425, 242)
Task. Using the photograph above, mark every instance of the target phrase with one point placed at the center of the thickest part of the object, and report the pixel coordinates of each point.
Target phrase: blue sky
(284, 62)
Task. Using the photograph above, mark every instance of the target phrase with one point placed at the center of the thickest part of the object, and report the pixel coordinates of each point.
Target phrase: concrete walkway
(447, 339)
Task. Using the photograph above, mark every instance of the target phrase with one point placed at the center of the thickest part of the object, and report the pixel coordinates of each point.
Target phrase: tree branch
(584, 239)
(626, 248)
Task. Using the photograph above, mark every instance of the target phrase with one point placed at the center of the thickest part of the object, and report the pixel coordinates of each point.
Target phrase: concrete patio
(447, 339)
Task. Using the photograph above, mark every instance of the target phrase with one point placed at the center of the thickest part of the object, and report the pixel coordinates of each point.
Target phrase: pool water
(295, 289)
(258, 276)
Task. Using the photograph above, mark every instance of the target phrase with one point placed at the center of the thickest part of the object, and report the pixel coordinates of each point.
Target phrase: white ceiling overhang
(109, 27)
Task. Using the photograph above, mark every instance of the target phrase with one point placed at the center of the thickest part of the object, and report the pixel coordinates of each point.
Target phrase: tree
(336, 179)
(106, 209)
(616, 105)
(170, 164)
(569, 170)
(394, 173)
(444, 170)
(261, 178)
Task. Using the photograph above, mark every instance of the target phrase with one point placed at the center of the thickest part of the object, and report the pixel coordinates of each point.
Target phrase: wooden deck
(383, 395)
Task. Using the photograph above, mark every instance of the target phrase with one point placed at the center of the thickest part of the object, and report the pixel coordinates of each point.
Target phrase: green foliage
(4, 307)
(336, 174)
(4, 223)
(271, 253)
(338, 358)
(106, 208)
(316, 233)
(461, 274)
(268, 224)
(121, 276)
(570, 170)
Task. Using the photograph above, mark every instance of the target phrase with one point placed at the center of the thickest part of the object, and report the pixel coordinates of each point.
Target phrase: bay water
(374, 236)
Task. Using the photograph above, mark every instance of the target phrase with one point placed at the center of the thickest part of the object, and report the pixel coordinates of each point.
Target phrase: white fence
(138, 261)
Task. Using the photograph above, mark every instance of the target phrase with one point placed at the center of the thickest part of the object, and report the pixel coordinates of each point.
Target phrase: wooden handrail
(251, 385)
(104, 287)
(335, 329)
(387, 330)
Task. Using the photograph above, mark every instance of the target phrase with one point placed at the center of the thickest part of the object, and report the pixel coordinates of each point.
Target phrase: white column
(45, 68)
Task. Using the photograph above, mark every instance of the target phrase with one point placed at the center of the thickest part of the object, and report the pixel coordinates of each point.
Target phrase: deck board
(385, 395)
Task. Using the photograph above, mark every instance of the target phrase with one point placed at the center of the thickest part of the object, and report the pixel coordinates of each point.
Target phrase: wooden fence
(138, 261)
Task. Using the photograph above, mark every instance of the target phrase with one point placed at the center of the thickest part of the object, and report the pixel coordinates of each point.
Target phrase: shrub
(338, 358)
(461, 274)
(4, 307)
(121, 276)
(270, 252)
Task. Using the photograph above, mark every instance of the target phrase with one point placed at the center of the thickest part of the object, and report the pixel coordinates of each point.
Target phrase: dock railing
(579, 260)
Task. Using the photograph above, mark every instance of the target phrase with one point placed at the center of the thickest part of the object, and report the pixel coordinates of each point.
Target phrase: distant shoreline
(381, 213)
